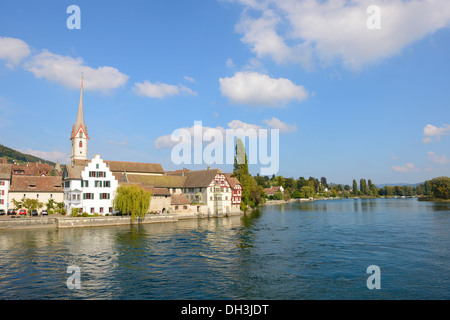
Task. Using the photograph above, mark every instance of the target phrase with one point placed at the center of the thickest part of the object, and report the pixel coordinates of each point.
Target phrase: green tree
(50, 204)
(60, 208)
(30, 204)
(17, 204)
(419, 189)
(372, 188)
(307, 192)
(323, 181)
(389, 190)
(363, 187)
(251, 192)
(260, 181)
(355, 187)
(132, 200)
(302, 182)
(440, 188)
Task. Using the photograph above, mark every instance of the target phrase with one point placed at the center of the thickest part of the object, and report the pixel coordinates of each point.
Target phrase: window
(92, 210)
(97, 165)
(110, 209)
(80, 144)
(88, 196)
(101, 210)
(104, 196)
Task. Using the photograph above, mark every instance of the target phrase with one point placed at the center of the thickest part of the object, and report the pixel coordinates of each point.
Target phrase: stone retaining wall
(67, 222)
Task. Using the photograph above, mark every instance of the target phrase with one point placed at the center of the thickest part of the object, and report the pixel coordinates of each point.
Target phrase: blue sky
(350, 101)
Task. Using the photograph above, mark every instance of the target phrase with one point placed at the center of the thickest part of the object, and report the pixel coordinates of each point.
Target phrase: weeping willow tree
(132, 200)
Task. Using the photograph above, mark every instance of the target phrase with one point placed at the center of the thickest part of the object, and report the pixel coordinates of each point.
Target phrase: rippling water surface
(308, 250)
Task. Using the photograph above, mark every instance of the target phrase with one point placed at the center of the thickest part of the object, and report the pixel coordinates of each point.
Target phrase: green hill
(20, 157)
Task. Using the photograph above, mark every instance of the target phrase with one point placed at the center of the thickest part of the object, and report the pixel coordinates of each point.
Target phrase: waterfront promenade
(64, 222)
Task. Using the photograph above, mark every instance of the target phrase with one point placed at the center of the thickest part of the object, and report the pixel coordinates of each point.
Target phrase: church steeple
(79, 134)
(79, 122)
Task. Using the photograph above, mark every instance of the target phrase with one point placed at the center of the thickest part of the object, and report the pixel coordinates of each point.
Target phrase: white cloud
(438, 159)
(257, 89)
(238, 124)
(67, 71)
(329, 31)
(190, 79)
(409, 167)
(124, 142)
(160, 90)
(284, 127)
(13, 51)
(229, 63)
(188, 133)
(431, 132)
(48, 155)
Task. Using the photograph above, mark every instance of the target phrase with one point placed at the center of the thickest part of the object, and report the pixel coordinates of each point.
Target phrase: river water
(308, 250)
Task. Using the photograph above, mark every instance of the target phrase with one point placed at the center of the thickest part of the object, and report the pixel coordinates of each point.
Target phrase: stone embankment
(62, 222)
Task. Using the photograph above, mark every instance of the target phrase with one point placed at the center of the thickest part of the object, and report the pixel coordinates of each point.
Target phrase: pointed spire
(79, 122)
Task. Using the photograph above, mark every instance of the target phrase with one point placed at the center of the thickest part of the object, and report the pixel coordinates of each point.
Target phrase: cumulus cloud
(257, 89)
(238, 124)
(409, 167)
(432, 133)
(284, 127)
(327, 31)
(187, 134)
(160, 90)
(442, 159)
(190, 79)
(13, 51)
(124, 142)
(67, 71)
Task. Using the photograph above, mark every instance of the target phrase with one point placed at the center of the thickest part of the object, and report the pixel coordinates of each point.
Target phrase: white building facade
(89, 188)
(5, 182)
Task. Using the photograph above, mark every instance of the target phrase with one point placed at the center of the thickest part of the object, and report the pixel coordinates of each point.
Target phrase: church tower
(79, 135)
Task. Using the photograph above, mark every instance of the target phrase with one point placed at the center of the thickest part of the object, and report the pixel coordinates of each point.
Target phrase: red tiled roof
(200, 178)
(178, 199)
(271, 190)
(5, 171)
(233, 181)
(32, 169)
(36, 183)
(124, 166)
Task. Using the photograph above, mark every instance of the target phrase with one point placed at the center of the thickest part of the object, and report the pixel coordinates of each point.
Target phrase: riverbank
(63, 222)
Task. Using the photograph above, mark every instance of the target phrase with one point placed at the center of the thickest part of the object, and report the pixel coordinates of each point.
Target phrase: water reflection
(307, 250)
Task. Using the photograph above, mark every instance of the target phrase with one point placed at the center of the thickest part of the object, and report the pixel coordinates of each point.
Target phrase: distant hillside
(20, 157)
(398, 184)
